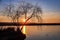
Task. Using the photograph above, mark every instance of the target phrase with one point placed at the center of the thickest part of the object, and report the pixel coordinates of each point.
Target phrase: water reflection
(47, 33)
(41, 32)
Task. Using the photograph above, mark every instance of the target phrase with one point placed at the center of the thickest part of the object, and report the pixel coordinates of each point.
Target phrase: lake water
(43, 32)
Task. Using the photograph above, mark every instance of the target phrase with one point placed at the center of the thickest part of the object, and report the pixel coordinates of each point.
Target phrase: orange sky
(48, 17)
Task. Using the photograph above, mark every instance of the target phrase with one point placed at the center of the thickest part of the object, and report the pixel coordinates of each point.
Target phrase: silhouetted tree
(23, 9)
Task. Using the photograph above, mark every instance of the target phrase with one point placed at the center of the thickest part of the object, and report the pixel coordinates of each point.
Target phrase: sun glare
(23, 20)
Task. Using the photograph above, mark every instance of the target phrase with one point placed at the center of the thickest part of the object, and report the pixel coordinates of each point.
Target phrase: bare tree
(9, 11)
(23, 10)
(36, 11)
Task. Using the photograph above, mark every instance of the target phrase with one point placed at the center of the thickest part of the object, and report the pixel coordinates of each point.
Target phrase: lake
(43, 32)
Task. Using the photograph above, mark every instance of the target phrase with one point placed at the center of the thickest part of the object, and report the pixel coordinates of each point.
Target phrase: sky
(51, 5)
(50, 8)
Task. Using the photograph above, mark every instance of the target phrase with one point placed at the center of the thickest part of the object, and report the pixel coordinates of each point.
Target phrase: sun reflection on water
(24, 30)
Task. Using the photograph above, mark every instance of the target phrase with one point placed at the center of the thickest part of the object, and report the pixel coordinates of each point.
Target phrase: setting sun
(23, 20)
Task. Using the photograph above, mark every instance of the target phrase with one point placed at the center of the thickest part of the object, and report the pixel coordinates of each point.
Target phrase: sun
(23, 20)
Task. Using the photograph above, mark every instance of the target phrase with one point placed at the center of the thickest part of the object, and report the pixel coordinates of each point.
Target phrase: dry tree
(36, 12)
(23, 9)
